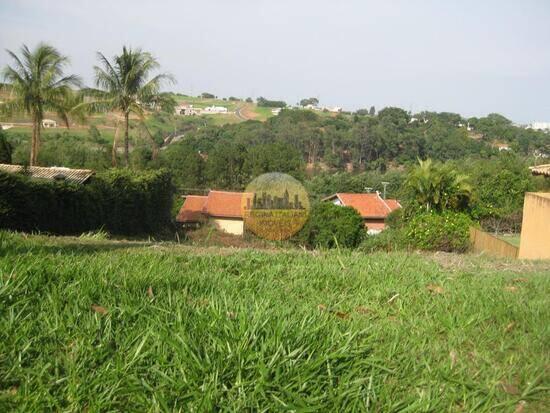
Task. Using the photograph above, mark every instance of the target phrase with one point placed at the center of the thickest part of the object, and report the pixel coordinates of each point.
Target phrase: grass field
(98, 325)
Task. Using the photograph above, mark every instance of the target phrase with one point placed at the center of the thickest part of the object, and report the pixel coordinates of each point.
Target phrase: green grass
(511, 239)
(90, 324)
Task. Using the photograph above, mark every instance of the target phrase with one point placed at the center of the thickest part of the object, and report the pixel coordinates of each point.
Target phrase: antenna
(385, 185)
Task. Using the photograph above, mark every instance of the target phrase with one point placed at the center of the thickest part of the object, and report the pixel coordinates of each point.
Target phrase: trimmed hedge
(119, 201)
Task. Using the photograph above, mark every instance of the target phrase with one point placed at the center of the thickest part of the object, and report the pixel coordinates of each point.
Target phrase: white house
(215, 110)
(48, 123)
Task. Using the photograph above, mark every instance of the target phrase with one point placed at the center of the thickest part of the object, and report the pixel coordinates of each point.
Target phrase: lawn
(511, 239)
(98, 325)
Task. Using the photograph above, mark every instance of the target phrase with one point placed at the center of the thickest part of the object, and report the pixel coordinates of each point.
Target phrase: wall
(491, 245)
(535, 229)
(233, 226)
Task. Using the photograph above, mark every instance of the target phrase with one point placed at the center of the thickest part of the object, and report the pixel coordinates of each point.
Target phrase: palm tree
(37, 84)
(124, 85)
(438, 187)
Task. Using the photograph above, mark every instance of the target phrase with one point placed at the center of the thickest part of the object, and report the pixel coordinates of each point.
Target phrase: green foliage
(331, 226)
(5, 148)
(445, 231)
(126, 84)
(270, 103)
(117, 201)
(206, 95)
(438, 187)
(388, 240)
(309, 101)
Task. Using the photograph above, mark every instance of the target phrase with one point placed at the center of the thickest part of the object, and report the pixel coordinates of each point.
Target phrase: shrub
(331, 225)
(5, 148)
(446, 231)
(119, 202)
(388, 240)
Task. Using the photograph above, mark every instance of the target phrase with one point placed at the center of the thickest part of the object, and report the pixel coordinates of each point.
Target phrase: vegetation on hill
(105, 326)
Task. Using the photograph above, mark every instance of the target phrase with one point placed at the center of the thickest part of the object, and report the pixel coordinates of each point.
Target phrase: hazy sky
(471, 57)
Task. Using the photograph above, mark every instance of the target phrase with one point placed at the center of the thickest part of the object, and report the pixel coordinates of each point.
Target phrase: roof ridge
(383, 201)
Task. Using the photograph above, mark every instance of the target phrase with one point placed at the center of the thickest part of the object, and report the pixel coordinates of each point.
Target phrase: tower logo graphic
(275, 206)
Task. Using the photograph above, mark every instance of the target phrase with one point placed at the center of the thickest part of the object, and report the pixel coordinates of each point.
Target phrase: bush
(120, 202)
(446, 231)
(388, 240)
(5, 148)
(331, 225)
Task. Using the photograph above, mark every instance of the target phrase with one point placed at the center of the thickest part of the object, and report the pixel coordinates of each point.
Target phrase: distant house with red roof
(372, 207)
(222, 208)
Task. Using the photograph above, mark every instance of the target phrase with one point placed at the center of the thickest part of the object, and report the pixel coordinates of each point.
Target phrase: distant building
(49, 123)
(276, 111)
(502, 146)
(54, 173)
(334, 109)
(215, 110)
(187, 110)
(372, 207)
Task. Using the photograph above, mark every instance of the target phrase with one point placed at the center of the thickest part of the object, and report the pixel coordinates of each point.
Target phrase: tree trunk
(35, 142)
(113, 151)
(126, 140)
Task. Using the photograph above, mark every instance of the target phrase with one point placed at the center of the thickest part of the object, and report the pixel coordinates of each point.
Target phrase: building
(49, 123)
(223, 209)
(187, 110)
(275, 111)
(215, 110)
(372, 207)
(543, 170)
(54, 173)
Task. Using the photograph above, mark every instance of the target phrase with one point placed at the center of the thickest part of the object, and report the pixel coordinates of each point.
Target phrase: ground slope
(99, 325)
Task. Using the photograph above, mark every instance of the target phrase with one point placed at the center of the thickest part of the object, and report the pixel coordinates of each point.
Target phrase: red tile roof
(192, 209)
(368, 205)
(221, 204)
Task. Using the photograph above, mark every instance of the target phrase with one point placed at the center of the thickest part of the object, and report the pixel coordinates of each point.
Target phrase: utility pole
(385, 185)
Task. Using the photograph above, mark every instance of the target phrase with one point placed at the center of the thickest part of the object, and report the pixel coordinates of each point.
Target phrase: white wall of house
(233, 226)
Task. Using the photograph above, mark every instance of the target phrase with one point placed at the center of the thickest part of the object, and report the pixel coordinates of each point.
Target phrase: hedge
(118, 201)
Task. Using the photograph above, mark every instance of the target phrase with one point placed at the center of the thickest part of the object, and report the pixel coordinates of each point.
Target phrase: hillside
(111, 325)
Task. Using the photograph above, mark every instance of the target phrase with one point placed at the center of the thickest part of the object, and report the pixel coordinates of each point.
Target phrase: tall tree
(125, 85)
(37, 84)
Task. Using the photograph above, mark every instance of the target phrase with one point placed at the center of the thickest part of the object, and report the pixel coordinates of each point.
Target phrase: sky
(469, 57)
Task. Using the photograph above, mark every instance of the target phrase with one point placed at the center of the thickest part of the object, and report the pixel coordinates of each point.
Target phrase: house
(275, 111)
(543, 170)
(79, 176)
(49, 123)
(221, 208)
(372, 207)
(187, 110)
(502, 146)
(215, 110)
